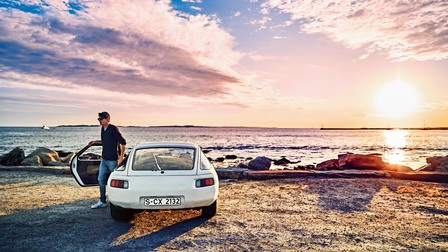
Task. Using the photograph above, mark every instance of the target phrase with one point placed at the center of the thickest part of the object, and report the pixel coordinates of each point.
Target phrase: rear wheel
(210, 211)
(120, 214)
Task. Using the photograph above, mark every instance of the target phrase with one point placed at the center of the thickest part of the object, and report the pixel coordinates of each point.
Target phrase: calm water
(310, 146)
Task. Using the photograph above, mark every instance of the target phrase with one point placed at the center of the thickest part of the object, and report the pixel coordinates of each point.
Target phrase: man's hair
(103, 115)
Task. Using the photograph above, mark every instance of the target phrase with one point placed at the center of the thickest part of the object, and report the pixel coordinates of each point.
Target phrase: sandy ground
(45, 212)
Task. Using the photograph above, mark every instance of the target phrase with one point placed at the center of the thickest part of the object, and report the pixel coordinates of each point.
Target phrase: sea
(299, 145)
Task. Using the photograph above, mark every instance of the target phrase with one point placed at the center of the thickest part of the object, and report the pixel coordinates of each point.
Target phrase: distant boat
(45, 127)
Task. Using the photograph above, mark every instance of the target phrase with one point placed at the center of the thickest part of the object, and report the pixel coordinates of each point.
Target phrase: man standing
(114, 146)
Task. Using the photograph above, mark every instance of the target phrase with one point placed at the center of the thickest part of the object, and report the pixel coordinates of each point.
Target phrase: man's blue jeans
(106, 167)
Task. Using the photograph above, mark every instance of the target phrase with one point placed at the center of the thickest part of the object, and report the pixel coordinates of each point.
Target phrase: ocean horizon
(306, 146)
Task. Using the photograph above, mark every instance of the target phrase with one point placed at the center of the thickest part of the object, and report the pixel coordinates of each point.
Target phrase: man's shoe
(98, 205)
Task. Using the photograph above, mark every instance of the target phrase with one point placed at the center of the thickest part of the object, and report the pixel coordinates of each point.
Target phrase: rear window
(153, 159)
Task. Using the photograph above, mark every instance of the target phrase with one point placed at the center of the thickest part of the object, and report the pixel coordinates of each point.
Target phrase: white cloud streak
(404, 29)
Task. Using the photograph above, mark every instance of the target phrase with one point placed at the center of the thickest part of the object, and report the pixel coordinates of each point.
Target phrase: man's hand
(91, 143)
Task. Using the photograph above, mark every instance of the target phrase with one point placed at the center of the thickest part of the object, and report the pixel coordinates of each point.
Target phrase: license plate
(171, 201)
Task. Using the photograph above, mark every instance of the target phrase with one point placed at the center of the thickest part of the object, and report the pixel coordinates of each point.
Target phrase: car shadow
(75, 227)
(151, 240)
(341, 195)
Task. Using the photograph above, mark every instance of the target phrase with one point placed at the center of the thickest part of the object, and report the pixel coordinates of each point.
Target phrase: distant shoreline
(238, 127)
(411, 128)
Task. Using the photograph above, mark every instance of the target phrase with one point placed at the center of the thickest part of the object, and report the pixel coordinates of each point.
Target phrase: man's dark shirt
(110, 139)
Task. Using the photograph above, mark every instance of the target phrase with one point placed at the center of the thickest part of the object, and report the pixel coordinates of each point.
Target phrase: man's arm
(96, 142)
(121, 154)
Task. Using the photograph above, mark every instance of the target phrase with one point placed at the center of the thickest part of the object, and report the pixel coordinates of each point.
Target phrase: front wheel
(210, 211)
(119, 213)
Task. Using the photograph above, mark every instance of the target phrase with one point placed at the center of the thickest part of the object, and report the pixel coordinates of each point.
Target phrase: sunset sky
(274, 63)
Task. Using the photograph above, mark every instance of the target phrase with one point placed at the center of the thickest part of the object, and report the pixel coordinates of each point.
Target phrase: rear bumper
(144, 187)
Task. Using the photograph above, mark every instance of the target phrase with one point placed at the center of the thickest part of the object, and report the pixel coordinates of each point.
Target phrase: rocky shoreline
(347, 165)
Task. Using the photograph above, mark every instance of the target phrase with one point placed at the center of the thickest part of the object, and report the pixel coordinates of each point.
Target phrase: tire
(120, 214)
(210, 211)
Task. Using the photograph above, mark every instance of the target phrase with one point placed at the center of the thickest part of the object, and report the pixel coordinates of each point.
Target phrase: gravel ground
(45, 212)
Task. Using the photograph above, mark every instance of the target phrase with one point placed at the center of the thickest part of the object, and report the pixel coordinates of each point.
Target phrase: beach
(47, 211)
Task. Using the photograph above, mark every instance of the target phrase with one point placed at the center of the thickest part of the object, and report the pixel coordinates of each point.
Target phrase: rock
(46, 156)
(230, 173)
(331, 164)
(68, 158)
(90, 156)
(368, 162)
(63, 153)
(55, 163)
(32, 161)
(242, 165)
(304, 167)
(437, 163)
(398, 168)
(231, 157)
(260, 164)
(361, 161)
(282, 161)
(14, 157)
(220, 159)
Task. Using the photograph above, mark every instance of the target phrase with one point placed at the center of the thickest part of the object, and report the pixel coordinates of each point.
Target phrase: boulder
(68, 158)
(282, 161)
(46, 156)
(62, 153)
(361, 161)
(231, 157)
(304, 167)
(32, 161)
(437, 163)
(14, 157)
(55, 163)
(230, 173)
(398, 168)
(242, 165)
(259, 164)
(90, 156)
(331, 164)
(369, 162)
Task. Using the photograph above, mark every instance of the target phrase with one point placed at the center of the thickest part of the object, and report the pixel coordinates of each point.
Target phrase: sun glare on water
(395, 142)
(396, 99)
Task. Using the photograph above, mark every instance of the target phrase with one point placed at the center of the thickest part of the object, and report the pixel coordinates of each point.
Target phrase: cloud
(405, 29)
(279, 37)
(143, 47)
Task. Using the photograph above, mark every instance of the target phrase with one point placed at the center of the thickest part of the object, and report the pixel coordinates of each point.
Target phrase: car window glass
(153, 159)
(205, 163)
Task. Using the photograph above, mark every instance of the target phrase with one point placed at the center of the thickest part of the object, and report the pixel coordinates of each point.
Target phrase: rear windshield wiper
(157, 163)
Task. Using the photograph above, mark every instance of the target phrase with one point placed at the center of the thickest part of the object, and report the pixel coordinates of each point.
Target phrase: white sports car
(155, 176)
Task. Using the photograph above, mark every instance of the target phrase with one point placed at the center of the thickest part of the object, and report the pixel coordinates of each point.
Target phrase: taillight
(205, 182)
(119, 183)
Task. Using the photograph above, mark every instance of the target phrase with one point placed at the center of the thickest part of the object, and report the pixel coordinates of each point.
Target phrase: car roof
(167, 144)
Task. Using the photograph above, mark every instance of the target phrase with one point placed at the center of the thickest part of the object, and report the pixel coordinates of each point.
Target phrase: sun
(396, 99)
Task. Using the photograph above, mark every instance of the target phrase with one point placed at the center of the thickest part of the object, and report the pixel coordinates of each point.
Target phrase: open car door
(85, 165)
